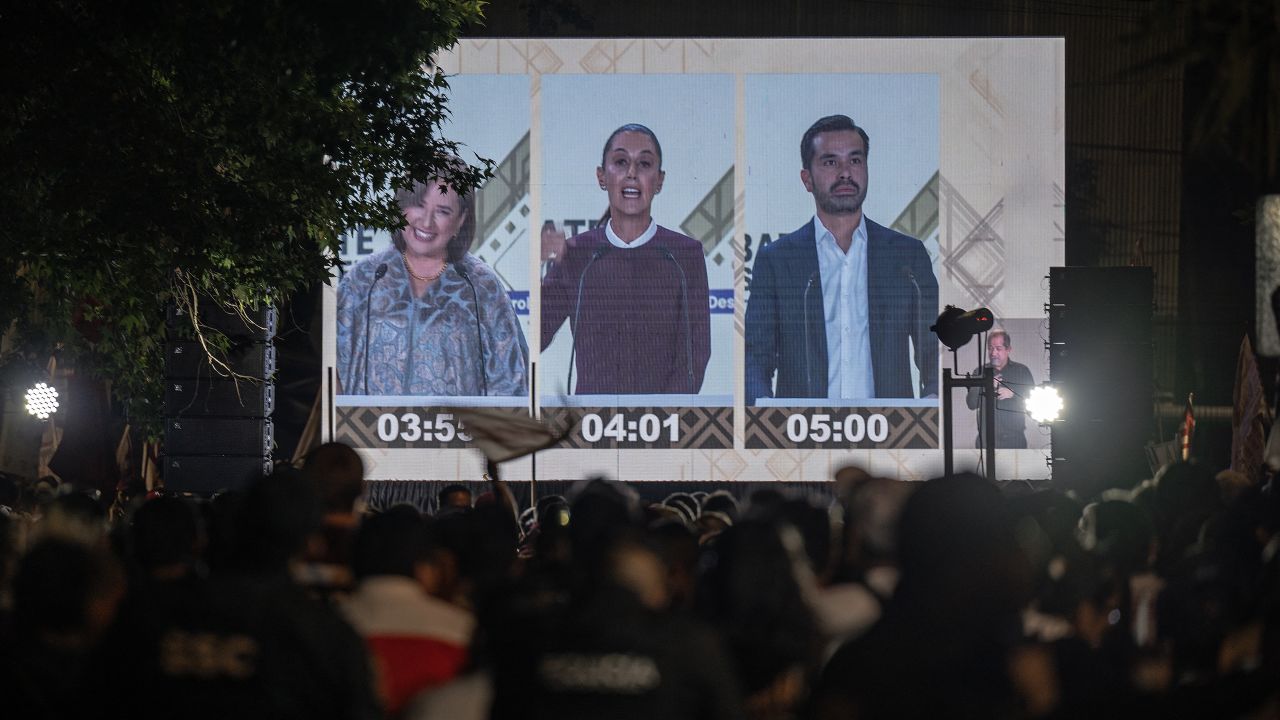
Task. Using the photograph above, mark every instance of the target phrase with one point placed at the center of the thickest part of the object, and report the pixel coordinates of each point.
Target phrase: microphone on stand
(577, 310)
(368, 298)
(808, 361)
(484, 370)
(916, 328)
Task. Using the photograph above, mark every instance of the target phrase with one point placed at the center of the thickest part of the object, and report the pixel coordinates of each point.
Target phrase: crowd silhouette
(946, 598)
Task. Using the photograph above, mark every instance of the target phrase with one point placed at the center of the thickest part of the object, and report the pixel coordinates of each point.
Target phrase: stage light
(1044, 404)
(955, 327)
(42, 400)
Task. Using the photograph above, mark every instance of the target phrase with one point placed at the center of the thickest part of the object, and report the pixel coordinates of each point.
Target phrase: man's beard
(833, 204)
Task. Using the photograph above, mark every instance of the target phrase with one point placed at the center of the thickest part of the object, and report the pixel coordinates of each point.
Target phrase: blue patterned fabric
(428, 345)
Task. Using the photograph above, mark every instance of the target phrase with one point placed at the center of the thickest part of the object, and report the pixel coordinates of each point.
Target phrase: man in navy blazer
(834, 304)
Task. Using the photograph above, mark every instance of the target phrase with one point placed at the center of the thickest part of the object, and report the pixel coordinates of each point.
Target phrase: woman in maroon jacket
(634, 293)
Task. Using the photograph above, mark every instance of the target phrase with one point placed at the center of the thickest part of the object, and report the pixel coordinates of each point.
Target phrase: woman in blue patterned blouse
(426, 317)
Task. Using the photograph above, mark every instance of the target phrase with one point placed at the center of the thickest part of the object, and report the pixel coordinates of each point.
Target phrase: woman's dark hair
(459, 244)
(749, 591)
(631, 127)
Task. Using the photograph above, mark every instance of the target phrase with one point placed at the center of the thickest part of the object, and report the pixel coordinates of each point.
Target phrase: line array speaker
(207, 474)
(186, 359)
(219, 398)
(261, 325)
(1100, 355)
(218, 431)
(218, 436)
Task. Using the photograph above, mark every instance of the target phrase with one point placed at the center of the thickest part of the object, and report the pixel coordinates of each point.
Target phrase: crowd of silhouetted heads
(872, 599)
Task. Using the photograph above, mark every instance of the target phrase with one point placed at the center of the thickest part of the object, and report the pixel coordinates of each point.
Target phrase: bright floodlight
(1044, 405)
(42, 401)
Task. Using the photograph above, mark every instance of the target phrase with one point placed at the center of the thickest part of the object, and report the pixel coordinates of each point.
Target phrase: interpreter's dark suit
(779, 310)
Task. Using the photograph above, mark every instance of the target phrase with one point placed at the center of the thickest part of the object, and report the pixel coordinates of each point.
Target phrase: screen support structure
(987, 382)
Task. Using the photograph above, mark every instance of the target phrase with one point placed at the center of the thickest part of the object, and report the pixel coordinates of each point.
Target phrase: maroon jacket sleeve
(558, 288)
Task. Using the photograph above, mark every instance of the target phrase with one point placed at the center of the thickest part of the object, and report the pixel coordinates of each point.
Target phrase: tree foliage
(154, 148)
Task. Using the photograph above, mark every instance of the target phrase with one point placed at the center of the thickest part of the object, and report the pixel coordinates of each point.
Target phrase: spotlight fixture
(1044, 404)
(955, 327)
(42, 400)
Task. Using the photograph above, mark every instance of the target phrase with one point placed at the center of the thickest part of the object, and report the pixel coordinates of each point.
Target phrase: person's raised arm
(557, 285)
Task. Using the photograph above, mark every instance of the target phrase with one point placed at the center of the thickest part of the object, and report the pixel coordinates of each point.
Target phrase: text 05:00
(823, 428)
(623, 428)
(412, 427)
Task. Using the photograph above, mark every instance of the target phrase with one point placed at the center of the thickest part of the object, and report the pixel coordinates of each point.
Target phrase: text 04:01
(823, 428)
(623, 428)
(412, 427)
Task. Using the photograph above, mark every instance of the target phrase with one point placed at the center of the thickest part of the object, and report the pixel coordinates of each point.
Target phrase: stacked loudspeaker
(218, 432)
(1100, 357)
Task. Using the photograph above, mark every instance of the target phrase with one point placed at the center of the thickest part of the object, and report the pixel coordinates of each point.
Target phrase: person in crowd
(1008, 603)
(633, 293)
(837, 306)
(65, 597)
(605, 644)
(167, 537)
(1013, 386)
(948, 639)
(1185, 496)
(454, 496)
(249, 641)
(425, 316)
(337, 473)
(684, 504)
(418, 642)
(770, 631)
(73, 515)
(718, 513)
(678, 547)
(863, 566)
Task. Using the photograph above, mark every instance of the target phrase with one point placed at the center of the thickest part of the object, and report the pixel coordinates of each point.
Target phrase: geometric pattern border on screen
(712, 219)
(973, 253)
(358, 427)
(502, 192)
(699, 427)
(909, 428)
(920, 218)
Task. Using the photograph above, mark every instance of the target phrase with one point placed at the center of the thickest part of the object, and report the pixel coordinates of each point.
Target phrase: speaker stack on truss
(218, 432)
(1100, 357)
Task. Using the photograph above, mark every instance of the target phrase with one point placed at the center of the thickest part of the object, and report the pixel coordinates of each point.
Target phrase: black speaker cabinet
(219, 398)
(186, 359)
(217, 436)
(261, 325)
(1101, 358)
(207, 474)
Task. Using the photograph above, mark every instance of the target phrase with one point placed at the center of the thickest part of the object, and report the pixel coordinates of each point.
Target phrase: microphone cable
(808, 351)
(917, 330)
(577, 310)
(475, 298)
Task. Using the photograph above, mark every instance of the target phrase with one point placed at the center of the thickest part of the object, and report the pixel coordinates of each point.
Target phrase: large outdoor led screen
(713, 260)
